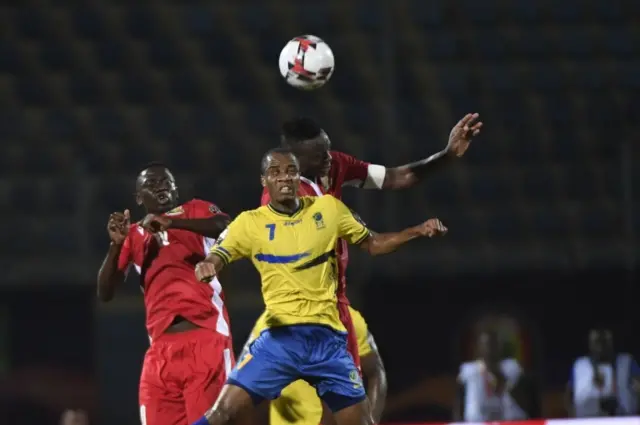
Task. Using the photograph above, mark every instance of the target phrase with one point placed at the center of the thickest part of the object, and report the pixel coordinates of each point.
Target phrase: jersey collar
(283, 214)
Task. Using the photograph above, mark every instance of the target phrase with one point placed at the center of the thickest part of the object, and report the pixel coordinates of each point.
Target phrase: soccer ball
(306, 62)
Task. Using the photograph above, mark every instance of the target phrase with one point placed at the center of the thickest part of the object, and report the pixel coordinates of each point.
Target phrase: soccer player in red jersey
(191, 353)
(326, 171)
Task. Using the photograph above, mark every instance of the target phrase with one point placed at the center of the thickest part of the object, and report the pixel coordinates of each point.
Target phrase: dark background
(542, 211)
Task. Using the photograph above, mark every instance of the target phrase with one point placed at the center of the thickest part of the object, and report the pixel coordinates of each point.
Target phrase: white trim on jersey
(314, 186)
(221, 326)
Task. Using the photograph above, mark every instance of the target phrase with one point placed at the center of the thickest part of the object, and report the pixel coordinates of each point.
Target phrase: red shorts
(182, 375)
(352, 338)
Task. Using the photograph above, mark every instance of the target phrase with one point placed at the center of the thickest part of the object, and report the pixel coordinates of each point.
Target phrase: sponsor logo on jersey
(176, 211)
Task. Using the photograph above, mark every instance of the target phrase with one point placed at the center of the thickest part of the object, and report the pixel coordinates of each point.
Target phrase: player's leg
(352, 338)
(209, 364)
(337, 379)
(161, 401)
(259, 375)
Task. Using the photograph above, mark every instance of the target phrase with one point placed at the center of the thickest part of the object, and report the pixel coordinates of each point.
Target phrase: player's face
(314, 156)
(282, 177)
(156, 189)
(600, 343)
(488, 347)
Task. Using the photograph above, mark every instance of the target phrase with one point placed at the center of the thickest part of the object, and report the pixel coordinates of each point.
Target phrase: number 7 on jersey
(272, 230)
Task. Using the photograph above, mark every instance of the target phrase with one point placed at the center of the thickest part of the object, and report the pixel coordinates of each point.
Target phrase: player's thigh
(268, 367)
(209, 369)
(335, 376)
(352, 337)
(156, 409)
(160, 404)
(356, 414)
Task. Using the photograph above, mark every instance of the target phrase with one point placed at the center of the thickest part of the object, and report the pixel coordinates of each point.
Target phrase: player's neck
(309, 176)
(287, 207)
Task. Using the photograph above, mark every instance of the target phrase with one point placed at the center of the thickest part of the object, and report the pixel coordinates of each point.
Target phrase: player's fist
(432, 227)
(461, 134)
(155, 223)
(205, 271)
(118, 226)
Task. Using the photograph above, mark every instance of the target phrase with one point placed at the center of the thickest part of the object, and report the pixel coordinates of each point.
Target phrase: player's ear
(138, 199)
(263, 181)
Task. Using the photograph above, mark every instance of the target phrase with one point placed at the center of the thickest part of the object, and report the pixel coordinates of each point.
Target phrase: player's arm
(234, 243)
(115, 264)
(353, 230)
(209, 222)
(408, 175)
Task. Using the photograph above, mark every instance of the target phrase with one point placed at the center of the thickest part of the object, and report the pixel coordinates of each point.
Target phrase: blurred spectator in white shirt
(492, 387)
(603, 383)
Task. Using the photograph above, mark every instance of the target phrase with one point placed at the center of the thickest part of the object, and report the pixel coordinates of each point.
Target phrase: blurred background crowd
(542, 211)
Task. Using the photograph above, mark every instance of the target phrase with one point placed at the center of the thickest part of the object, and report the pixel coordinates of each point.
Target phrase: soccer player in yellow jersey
(299, 404)
(291, 242)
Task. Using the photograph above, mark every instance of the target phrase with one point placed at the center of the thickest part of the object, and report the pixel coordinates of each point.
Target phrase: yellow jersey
(298, 403)
(295, 256)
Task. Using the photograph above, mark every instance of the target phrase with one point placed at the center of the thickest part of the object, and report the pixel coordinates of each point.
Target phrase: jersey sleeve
(124, 260)
(205, 209)
(265, 198)
(234, 242)
(366, 344)
(359, 173)
(350, 227)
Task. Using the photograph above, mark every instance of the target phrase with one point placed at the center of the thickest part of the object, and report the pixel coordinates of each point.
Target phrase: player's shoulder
(342, 158)
(200, 205)
(326, 199)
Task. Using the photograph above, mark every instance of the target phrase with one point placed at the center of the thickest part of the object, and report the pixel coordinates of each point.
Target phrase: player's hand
(462, 133)
(205, 271)
(432, 227)
(118, 226)
(155, 223)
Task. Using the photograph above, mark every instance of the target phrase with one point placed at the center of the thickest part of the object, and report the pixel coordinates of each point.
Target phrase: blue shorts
(314, 353)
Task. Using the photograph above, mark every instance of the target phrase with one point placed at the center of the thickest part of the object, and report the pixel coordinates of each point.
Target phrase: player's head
(600, 343)
(156, 188)
(310, 144)
(280, 174)
(489, 346)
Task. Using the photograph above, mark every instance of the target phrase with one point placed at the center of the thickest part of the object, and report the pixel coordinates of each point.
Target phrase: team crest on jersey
(354, 377)
(176, 211)
(317, 218)
(214, 209)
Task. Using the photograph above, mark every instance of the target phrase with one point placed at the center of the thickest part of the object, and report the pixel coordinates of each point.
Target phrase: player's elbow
(105, 295)
(373, 246)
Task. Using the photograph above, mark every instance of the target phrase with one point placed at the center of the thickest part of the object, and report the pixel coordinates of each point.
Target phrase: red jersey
(345, 170)
(166, 263)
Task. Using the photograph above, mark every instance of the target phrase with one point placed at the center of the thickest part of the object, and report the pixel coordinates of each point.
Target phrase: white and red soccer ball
(306, 62)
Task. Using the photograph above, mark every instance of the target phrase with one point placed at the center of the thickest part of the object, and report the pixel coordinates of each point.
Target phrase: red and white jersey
(346, 170)
(166, 263)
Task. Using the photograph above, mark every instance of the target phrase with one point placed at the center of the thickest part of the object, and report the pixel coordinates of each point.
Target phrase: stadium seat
(97, 90)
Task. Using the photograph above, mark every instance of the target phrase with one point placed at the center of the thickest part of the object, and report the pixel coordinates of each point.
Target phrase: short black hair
(299, 129)
(264, 163)
(153, 164)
